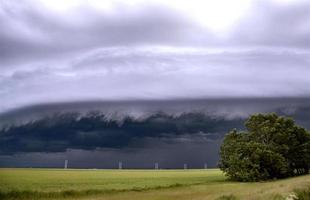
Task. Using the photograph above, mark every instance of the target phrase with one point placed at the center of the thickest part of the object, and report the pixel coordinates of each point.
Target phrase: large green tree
(271, 147)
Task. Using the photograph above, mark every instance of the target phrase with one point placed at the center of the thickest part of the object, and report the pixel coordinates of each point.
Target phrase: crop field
(137, 184)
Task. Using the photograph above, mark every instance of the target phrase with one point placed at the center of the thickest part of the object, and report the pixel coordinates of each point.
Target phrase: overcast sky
(52, 50)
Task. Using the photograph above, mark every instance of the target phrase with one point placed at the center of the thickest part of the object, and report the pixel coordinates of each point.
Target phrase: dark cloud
(227, 108)
(71, 131)
(88, 125)
(99, 134)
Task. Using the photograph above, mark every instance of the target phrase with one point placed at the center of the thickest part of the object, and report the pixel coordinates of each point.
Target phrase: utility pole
(66, 164)
(120, 165)
(156, 165)
(185, 166)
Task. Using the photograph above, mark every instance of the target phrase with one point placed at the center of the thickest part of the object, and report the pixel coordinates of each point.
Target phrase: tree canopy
(271, 147)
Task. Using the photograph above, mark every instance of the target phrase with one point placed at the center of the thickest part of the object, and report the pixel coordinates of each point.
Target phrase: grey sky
(52, 51)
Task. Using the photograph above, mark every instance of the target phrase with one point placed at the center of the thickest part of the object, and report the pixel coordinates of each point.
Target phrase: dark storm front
(137, 133)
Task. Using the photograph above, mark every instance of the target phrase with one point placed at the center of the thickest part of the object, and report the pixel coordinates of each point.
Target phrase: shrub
(227, 197)
(303, 194)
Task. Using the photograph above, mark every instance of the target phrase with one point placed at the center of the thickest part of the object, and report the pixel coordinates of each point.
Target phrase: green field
(136, 184)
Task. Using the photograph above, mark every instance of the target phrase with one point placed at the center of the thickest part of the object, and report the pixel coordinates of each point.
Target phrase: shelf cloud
(99, 134)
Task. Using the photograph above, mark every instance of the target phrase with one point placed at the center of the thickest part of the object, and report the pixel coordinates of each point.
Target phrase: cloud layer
(99, 134)
(151, 51)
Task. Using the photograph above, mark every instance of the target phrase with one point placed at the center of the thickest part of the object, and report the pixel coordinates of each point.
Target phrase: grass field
(137, 184)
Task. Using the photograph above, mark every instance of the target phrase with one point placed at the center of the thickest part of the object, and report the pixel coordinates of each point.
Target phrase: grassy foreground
(137, 184)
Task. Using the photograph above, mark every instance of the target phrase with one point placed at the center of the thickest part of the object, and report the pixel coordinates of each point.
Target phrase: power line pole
(66, 164)
(120, 165)
(185, 166)
(156, 165)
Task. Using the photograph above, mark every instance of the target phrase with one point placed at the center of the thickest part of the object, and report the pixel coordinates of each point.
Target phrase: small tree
(272, 147)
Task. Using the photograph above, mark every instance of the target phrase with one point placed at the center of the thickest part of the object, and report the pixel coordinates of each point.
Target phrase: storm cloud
(182, 73)
(69, 131)
(139, 133)
(151, 50)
